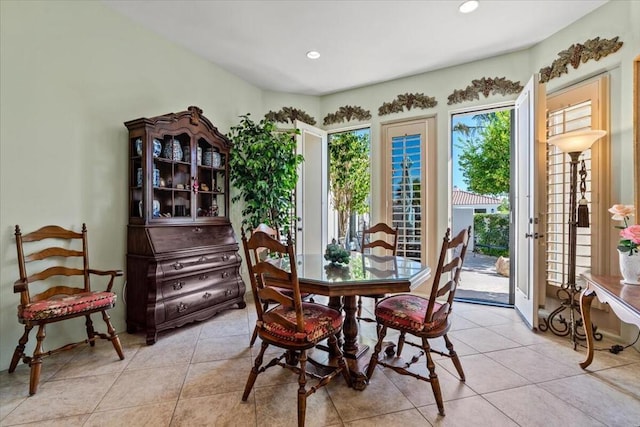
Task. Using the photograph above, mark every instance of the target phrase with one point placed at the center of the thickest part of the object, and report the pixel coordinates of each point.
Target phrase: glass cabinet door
(136, 177)
(171, 176)
(210, 183)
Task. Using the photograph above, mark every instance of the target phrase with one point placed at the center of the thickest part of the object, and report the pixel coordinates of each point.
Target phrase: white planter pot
(630, 268)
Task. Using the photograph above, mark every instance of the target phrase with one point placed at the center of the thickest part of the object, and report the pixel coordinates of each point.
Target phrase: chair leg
(400, 343)
(433, 377)
(113, 337)
(36, 361)
(255, 370)
(254, 336)
(454, 357)
(19, 351)
(91, 333)
(378, 348)
(302, 391)
(359, 312)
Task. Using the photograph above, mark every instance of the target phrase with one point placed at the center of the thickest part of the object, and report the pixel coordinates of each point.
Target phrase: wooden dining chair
(263, 253)
(424, 318)
(292, 325)
(46, 298)
(380, 236)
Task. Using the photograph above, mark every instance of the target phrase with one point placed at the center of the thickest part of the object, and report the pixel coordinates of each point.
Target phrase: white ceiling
(361, 42)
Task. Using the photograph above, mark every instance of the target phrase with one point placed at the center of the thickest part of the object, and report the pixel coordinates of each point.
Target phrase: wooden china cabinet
(182, 254)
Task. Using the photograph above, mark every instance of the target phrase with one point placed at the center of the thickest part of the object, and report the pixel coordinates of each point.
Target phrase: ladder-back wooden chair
(292, 325)
(262, 254)
(54, 298)
(381, 236)
(424, 318)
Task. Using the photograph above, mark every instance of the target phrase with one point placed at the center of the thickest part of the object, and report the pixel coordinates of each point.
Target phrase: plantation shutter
(406, 182)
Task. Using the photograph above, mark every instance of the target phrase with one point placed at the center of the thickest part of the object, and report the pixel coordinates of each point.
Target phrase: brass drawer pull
(197, 230)
(225, 274)
(225, 257)
(182, 307)
(177, 286)
(202, 259)
(227, 292)
(206, 295)
(177, 265)
(203, 277)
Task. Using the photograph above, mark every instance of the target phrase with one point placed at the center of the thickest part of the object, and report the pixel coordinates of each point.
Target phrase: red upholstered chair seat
(407, 312)
(319, 322)
(65, 305)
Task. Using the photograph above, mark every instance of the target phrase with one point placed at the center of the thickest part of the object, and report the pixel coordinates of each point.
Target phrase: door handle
(534, 235)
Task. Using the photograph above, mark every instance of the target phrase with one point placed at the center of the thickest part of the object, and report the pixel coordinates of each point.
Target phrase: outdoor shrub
(491, 234)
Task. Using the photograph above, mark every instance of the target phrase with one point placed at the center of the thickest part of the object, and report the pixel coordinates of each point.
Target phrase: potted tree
(264, 168)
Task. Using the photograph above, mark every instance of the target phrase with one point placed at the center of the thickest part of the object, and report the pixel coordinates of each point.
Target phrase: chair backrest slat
(52, 252)
(55, 271)
(380, 235)
(447, 274)
(52, 232)
(56, 290)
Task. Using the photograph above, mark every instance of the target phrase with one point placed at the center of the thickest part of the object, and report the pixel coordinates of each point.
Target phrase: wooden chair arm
(112, 273)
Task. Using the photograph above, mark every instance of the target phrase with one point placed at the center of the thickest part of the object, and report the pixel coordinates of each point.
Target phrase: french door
(530, 141)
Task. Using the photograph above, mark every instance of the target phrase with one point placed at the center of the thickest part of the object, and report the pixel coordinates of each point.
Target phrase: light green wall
(72, 72)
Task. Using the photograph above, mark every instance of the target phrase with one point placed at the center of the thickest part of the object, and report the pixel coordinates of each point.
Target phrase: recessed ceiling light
(469, 6)
(313, 54)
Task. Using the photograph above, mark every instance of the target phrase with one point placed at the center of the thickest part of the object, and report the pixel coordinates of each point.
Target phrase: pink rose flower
(621, 212)
(631, 233)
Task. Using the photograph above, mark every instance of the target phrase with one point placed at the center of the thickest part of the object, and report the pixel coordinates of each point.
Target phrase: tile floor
(194, 376)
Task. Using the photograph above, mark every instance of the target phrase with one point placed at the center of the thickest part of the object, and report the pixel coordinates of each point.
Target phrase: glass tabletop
(361, 268)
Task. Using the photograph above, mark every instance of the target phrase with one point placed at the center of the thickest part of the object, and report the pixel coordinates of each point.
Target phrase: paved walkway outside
(480, 281)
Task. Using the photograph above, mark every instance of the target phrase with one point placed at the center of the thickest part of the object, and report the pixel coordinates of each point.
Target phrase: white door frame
(312, 191)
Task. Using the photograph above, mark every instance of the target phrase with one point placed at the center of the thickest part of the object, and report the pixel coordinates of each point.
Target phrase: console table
(624, 300)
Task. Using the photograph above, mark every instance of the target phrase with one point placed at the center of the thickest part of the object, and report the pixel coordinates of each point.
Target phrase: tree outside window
(349, 177)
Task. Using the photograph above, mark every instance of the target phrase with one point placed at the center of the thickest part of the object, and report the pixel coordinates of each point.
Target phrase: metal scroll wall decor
(347, 113)
(485, 86)
(579, 53)
(408, 100)
(290, 114)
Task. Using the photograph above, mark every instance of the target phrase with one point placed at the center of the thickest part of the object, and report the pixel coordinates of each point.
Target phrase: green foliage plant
(349, 176)
(263, 167)
(491, 234)
(336, 254)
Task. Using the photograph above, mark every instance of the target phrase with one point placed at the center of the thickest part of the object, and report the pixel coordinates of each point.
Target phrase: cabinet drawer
(195, 301)
(202, 280)
(192, 265)
(175, 238)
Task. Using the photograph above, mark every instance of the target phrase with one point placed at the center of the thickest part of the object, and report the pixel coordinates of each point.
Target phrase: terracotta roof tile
(460, 197)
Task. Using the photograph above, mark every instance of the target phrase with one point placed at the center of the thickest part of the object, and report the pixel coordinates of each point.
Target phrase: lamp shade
(576, 141)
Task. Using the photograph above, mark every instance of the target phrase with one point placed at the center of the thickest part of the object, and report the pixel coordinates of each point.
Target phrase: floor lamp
(572, 143)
